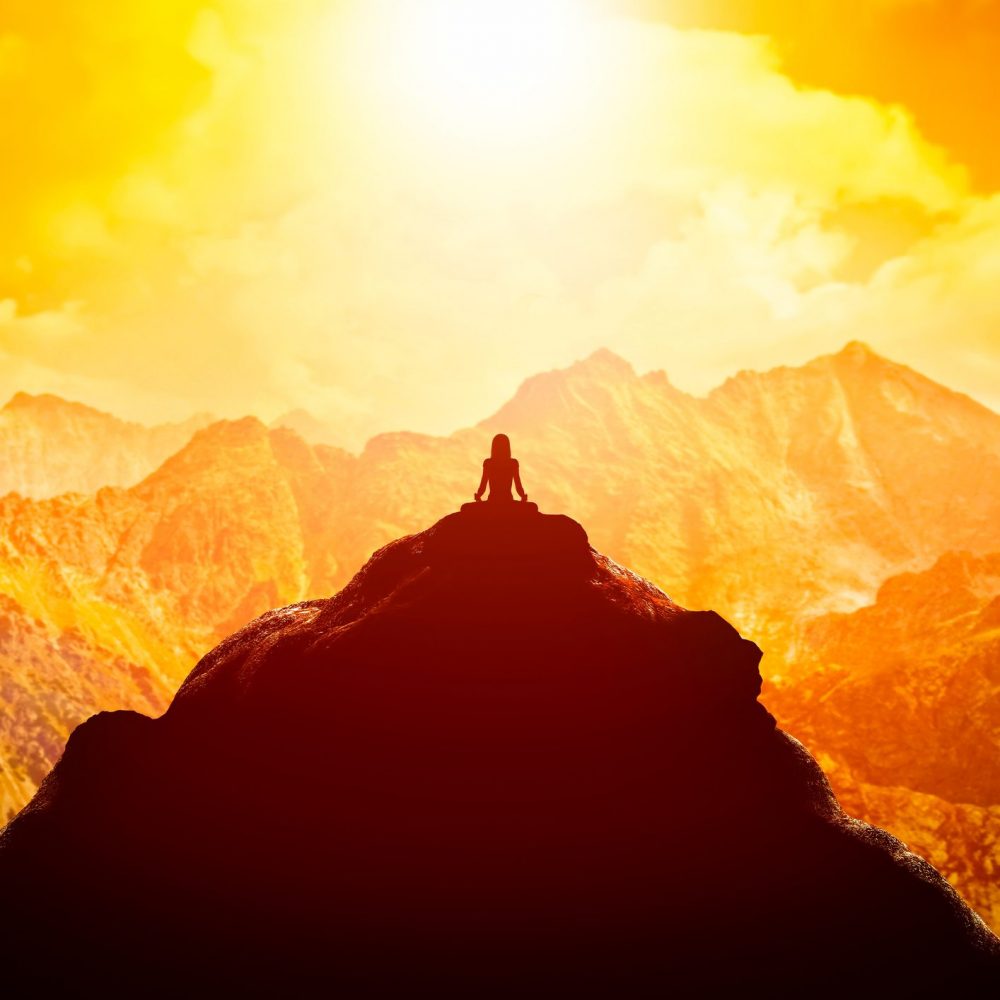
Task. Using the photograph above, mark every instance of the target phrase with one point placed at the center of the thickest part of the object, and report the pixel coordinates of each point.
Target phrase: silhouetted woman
(499, 471)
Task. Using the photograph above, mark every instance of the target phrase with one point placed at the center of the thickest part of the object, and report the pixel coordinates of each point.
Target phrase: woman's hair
(501, 446)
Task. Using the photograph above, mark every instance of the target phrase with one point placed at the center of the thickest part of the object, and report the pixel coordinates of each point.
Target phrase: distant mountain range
(779, 498)
(50, 446)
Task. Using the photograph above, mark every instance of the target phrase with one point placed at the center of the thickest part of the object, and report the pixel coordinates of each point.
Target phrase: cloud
(935, 57)
(287, 242)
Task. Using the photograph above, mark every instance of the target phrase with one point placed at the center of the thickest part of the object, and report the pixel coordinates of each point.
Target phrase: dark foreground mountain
(495, 760)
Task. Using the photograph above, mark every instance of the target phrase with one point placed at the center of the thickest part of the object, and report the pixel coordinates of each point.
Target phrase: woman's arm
(517, 481)
(483, 481)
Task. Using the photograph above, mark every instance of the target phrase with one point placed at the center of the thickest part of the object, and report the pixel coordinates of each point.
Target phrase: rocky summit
(496, 761)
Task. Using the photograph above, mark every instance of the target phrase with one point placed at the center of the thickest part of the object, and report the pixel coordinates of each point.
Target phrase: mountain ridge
(50, 445)
(772, 506)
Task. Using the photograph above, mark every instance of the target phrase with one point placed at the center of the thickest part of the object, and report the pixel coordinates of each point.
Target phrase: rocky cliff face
(900, 701)
(496, 760)
(50, 446)
(928, 653)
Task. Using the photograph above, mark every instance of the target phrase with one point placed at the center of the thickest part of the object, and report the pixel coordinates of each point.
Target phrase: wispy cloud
(278, 241)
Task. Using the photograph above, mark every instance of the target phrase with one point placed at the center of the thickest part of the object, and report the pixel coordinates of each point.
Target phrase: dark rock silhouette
(496, 761)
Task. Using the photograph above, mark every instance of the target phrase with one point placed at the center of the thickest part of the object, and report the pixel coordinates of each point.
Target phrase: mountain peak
(20, 401)
(237, 431)
(853, 356)
(50, 445)
(604, 361)
(538, 398)
(857, 350)
(856, 354)
(490, 718)
(213, 447)
(49, 403)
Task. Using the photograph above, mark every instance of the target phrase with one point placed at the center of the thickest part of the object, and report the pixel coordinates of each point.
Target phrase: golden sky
(390, 212)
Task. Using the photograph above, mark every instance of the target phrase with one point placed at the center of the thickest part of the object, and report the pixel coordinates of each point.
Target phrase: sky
(391, 212)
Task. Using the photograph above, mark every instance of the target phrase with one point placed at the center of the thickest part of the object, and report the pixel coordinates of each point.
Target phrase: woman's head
(501, 446)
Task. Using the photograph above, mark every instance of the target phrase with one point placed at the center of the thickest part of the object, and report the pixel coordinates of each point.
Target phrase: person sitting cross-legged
(500, 473)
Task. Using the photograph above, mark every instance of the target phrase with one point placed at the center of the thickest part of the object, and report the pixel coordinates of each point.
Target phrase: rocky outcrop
(496, 761)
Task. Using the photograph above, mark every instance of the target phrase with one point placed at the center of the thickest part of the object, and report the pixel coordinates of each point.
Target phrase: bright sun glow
(485, 69)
